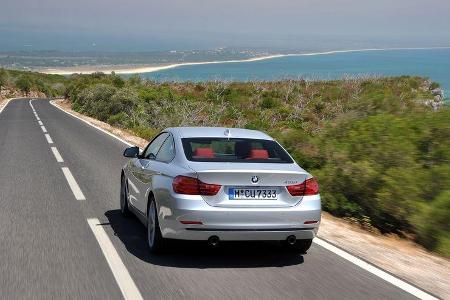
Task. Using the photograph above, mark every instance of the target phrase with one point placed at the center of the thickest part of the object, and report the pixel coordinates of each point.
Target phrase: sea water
(432, 63)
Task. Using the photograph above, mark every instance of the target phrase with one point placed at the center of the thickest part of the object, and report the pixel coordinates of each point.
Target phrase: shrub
(24, 84)
(4, 77)
(434, 225)
(268, 103)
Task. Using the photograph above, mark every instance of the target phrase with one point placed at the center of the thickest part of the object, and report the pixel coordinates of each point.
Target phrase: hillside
(381, 153)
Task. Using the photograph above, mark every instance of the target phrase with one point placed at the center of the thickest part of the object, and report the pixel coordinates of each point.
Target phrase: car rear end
(240, 188)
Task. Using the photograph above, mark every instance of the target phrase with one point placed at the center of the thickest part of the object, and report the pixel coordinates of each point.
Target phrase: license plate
(252, 193)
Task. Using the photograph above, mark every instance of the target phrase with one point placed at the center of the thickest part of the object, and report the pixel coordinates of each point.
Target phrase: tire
(300, 246)
(155, 241)
(124, 208)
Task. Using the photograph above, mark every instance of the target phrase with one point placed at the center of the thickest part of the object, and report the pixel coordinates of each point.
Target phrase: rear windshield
(234, 150)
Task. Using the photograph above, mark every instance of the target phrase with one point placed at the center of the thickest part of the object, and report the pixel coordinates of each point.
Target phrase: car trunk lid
(251, 185)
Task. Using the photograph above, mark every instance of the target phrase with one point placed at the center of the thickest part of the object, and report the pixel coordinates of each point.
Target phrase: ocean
(432, 63)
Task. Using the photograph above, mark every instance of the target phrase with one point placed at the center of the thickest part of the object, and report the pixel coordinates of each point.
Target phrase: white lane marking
(73, 184)
(126, 284)
(90, 124)
(34, 111)
(318, 241)
(44, 130)
(49, 139)
(32, 107)
(40, 123)
(57, 155)
(375, 271)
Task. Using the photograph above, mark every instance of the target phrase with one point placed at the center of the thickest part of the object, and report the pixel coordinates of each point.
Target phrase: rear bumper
(243, 235)
(237, 224)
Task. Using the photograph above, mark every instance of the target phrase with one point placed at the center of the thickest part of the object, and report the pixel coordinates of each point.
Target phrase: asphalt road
(48, 250)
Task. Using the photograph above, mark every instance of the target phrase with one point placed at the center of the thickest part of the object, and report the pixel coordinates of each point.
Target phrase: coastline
(150, 69)
(124, 70)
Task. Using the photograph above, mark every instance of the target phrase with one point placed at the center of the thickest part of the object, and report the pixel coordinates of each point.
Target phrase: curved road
(49, 250)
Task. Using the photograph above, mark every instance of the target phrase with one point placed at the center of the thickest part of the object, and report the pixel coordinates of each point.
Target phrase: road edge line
(6, 104)
(123, 278)
(377, 271)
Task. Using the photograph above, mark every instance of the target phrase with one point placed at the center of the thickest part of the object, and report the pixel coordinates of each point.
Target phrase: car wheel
(124, 209)
(300, 246)
(156, 242)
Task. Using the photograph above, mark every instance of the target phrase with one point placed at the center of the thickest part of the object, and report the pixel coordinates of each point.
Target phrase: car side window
(154, 145)
(167, 151)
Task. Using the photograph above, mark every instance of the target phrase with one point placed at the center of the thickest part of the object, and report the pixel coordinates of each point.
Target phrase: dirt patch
(398, 256)
(2, 103)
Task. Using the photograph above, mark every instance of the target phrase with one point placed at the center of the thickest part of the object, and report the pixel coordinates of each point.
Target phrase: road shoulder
(400, 257)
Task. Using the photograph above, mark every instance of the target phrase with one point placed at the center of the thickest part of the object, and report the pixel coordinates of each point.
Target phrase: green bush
(433, 224)
(4, 77)
(268, 103)
(24, 83)
(120, 119)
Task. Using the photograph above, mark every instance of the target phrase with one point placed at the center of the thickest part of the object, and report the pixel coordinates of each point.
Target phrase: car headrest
(204, 152)
(259, 154)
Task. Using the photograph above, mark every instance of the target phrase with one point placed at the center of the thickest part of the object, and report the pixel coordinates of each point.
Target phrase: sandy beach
(126, 69)
(147, 69)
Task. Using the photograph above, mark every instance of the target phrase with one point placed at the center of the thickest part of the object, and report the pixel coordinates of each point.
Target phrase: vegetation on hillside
(381, 156)
(50, 85)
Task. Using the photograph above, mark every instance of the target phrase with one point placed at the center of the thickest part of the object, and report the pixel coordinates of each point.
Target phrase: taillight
(193, 186)
(306, 188)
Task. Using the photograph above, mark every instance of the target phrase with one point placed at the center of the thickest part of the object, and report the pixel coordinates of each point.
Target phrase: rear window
(234, 150)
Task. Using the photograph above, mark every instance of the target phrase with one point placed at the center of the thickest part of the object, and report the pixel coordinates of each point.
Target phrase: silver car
(219, 184)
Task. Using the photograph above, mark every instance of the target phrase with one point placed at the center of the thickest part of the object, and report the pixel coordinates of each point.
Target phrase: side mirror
(131, 152)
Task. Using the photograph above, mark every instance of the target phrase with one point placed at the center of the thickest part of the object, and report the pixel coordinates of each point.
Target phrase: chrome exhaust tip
(291, 240)
(213, 241)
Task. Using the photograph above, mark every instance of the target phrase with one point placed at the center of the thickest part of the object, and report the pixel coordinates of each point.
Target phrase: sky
(149, 25)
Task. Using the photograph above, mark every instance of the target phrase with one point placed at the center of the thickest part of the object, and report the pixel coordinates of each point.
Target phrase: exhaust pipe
(213, 241)
(291, 240)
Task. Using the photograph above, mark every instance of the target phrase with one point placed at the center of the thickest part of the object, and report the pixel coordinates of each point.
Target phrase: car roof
(186, 132)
